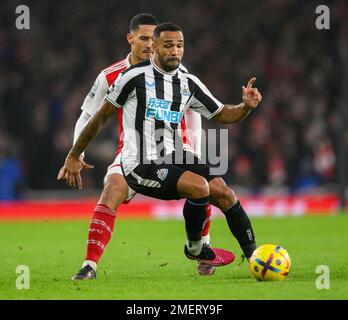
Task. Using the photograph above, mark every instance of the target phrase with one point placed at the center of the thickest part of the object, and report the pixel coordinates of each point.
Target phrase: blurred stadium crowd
(288, 144)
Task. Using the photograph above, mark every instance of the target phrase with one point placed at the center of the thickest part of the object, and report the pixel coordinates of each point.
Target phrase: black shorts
(160, 180)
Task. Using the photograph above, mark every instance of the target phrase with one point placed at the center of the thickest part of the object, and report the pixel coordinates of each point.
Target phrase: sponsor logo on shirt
(160, 110)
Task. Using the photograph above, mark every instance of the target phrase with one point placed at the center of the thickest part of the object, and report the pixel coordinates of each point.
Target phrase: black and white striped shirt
(153, 103)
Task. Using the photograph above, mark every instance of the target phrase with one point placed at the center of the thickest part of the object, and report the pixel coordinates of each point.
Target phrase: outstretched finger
(251, 81)
(87, 166)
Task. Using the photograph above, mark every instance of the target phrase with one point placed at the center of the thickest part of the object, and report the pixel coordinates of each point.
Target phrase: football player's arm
(91, 104)
(80, 124)
(92, 128)
(236, 113)
(232, 113)
(116, 97)
(73, 163)
(206, 104)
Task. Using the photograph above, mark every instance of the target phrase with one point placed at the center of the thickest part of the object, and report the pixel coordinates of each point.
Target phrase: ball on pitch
(270, 262)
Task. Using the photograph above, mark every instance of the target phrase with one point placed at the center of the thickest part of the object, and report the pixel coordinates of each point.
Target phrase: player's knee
(221, 194)
(192, 186)
(115, 183)
(115, 190)
(229, 198)
(200, 189)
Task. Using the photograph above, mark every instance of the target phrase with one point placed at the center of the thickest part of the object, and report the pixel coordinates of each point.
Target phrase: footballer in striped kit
(154, 95)
(116, 191)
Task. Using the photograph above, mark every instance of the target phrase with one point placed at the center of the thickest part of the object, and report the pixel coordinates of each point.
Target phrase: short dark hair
(142, 18)
(166, 26)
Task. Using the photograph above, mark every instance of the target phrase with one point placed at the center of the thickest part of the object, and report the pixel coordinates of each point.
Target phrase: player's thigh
(192, 163)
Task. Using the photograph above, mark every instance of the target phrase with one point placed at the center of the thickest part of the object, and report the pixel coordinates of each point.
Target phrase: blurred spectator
(11, 176)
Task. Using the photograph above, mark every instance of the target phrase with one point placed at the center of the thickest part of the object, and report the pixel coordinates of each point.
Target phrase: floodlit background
(289, 146)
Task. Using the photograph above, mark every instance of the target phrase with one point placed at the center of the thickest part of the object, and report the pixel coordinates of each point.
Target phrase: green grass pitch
(145, 260)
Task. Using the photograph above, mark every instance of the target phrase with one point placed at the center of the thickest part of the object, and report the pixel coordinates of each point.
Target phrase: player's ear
(130, 38)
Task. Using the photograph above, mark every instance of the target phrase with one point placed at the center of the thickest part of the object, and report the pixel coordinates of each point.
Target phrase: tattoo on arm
(92, 128)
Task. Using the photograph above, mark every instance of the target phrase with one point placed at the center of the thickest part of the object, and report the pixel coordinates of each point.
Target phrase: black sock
(195, 215)
(241, 228)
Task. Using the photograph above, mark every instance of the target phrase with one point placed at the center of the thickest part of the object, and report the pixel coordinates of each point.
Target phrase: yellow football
(270, 262)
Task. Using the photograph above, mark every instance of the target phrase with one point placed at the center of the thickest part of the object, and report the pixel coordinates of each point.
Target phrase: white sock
(90, 263)
(206, 239)
(194, 247)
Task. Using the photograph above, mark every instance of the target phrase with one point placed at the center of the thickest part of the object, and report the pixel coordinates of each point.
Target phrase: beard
(169, 64)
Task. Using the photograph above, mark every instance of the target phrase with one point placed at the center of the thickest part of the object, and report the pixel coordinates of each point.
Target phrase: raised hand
(70, 172)
(251, 96)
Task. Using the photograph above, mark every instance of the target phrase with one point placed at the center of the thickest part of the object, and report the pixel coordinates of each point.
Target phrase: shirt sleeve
(121, 88)
(79, 126)
(202, 100)
(96, 95)
(193, 122)
(183, 68)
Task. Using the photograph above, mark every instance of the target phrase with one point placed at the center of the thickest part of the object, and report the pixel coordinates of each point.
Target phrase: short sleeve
(202, 100)
(194, 130)
(95, 95)
(121, 88)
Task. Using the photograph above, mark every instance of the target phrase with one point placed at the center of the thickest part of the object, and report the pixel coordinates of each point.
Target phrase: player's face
(141, 42)
(169, 49)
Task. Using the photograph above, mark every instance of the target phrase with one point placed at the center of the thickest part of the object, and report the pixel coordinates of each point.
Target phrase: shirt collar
(172, 73)
(128, 60)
